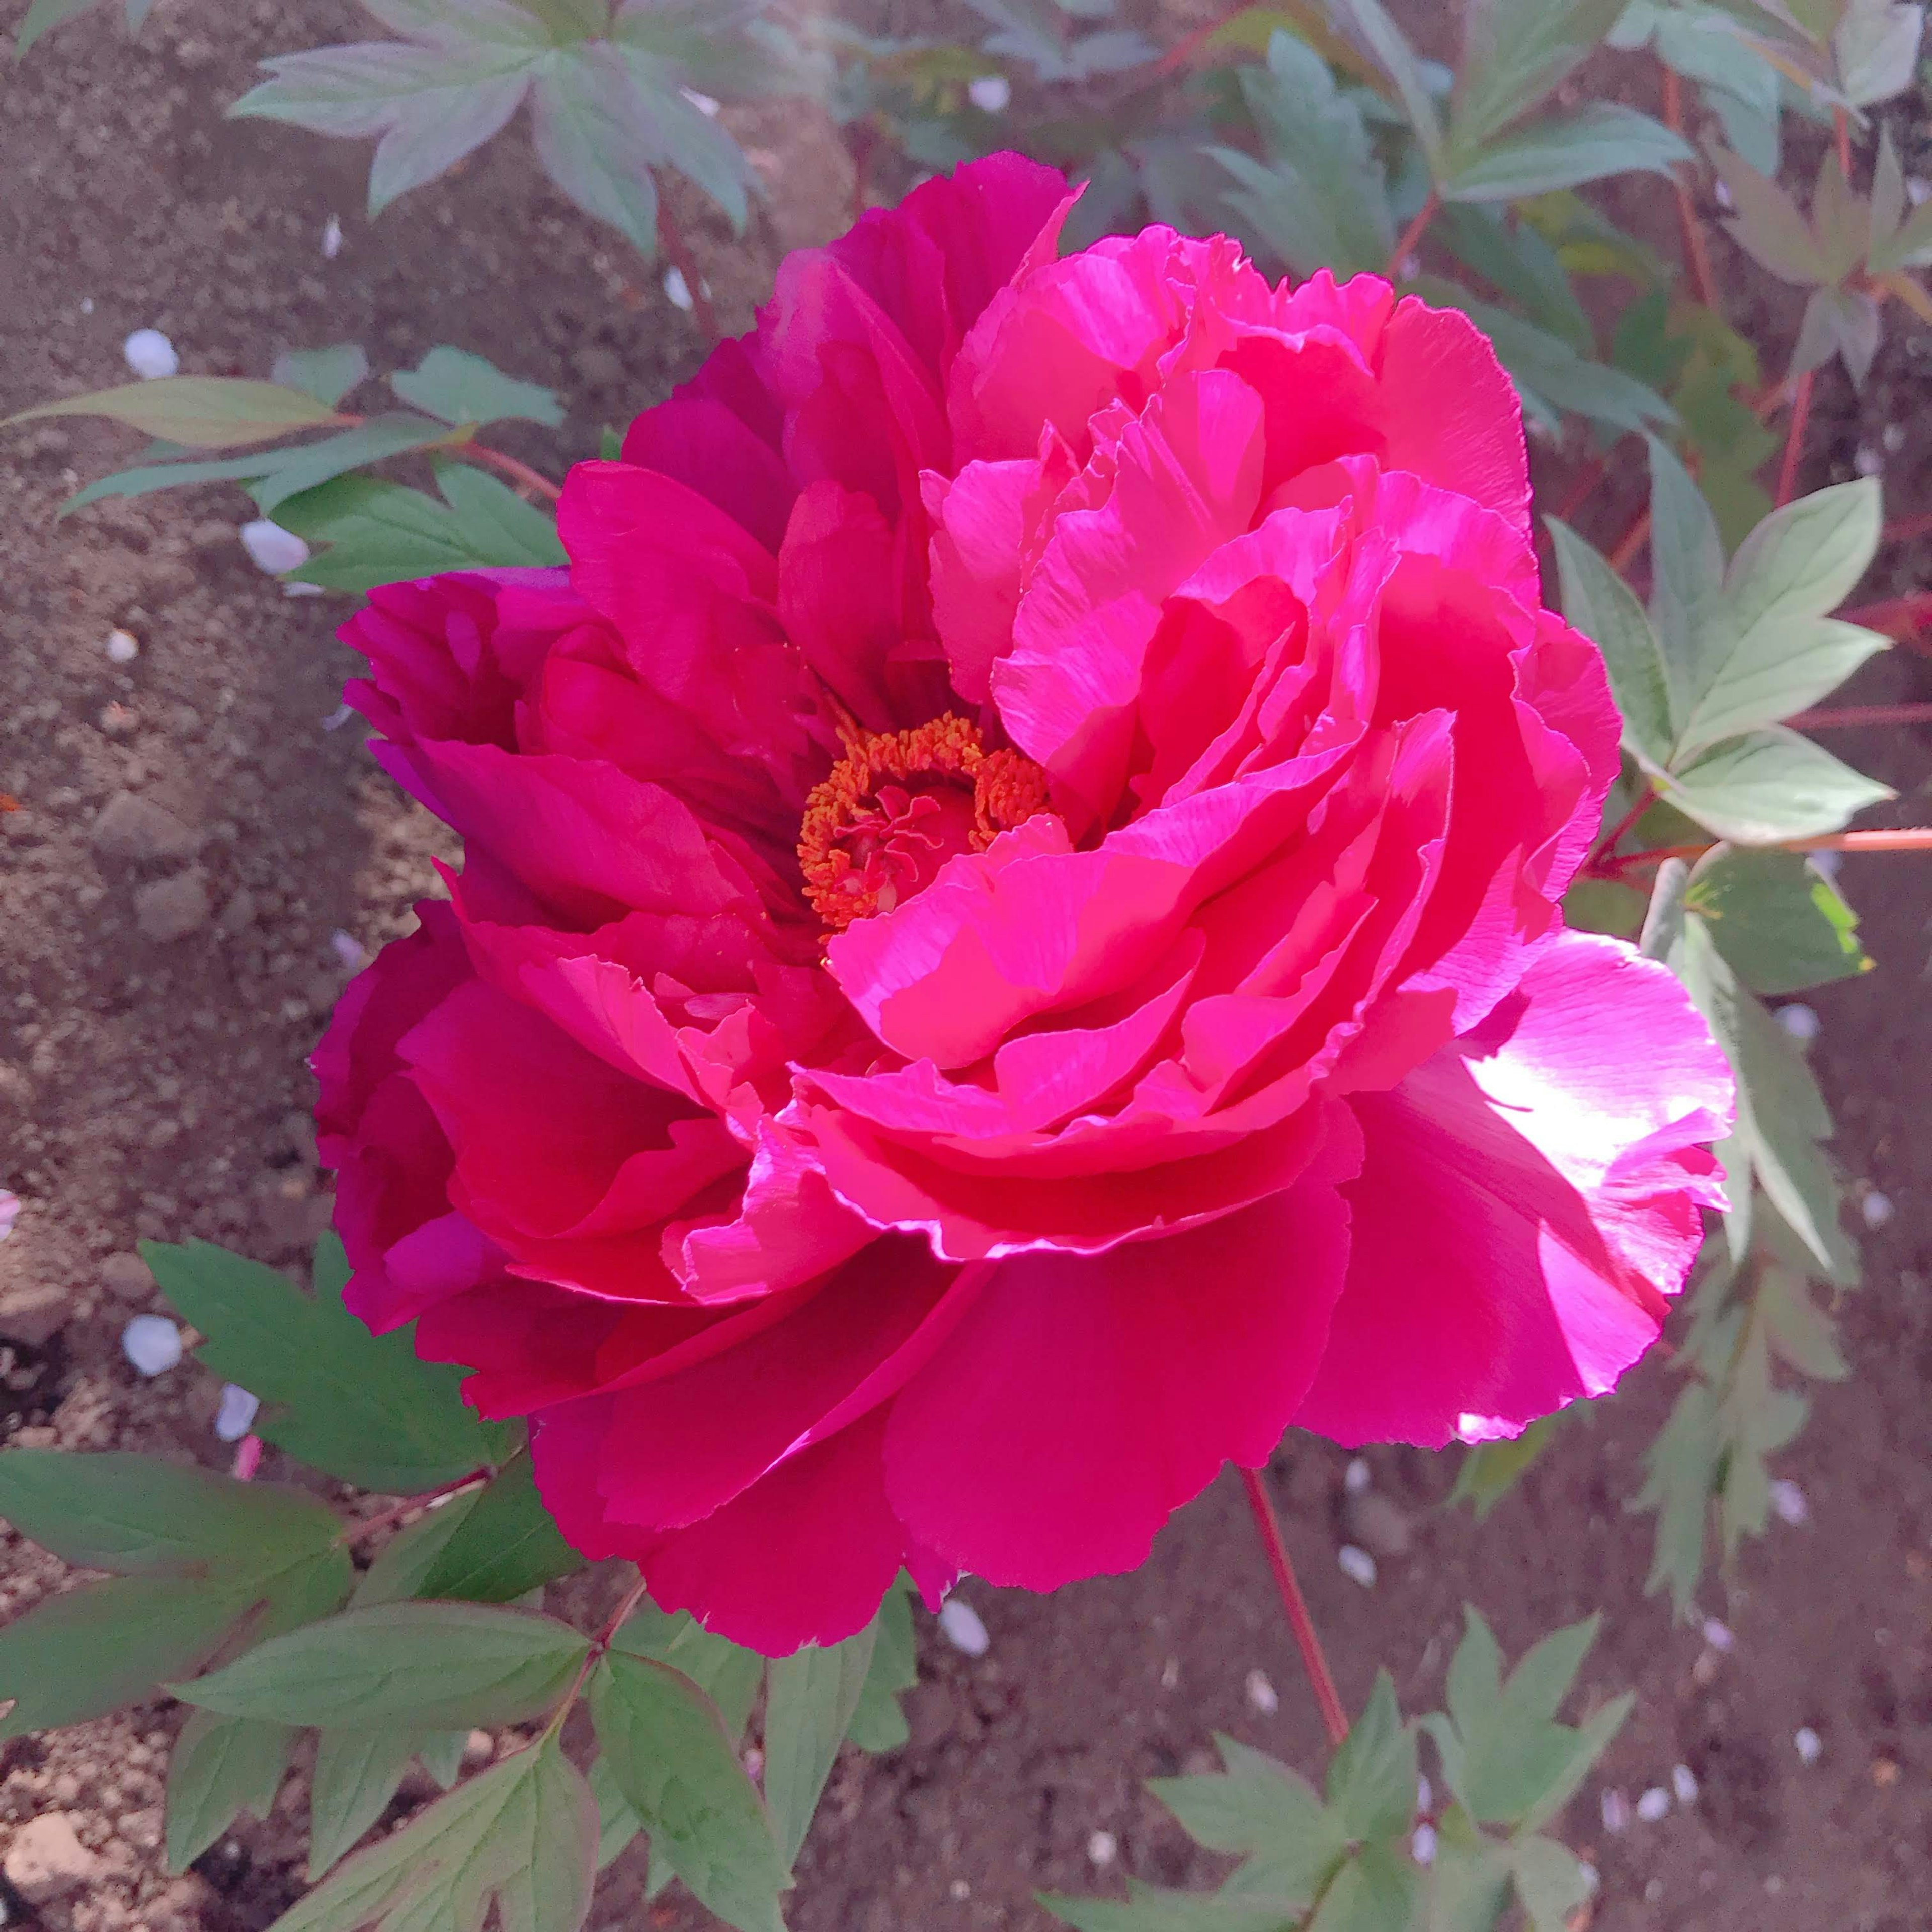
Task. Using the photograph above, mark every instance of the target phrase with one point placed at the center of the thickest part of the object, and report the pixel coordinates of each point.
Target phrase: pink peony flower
(1009, 945)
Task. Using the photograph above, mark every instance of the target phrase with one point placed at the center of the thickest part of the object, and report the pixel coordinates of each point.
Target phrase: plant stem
(1645, 799)
(1845, 715)
(1633, 541)
(1411, 236)
(1904, 839)
(1794, 438)
(671, 237)
(1697, 256)
(592, 1657)
(1906, 528)
(517, 471)
(1894, 616)
(351, 1531)
(1842, 125)
(1334, 1719)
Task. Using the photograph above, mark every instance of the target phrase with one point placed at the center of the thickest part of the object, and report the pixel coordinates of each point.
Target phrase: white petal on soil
(1684, 1782)
(348, 948)
(1423, 1845)
(1788, 1500)
(1616, 1811)
(236, 1415)
(1356, 1564)
(123, 647)
(1876, 1208)
(1356, 1478)
(1717, 1635)
(1799, 1021)
(991, 93)
(1808, 1745)
(704, 103)
(1654, 1805)
(332, 239)
(152, 1343)
(959, 1624)
(150, 354)
(1102, 1849)
(339, 717)
(272, 548)
(1262, 1696)
(677, 290)
(9, 1212)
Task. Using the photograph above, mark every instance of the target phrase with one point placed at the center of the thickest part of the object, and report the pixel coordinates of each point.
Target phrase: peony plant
(1045, 900)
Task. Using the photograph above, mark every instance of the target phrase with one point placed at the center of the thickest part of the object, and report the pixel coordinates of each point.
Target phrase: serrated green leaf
(1780, 924)
(315, 463)
(1386, 46)
(1682, 1466)
(464, 389)
(1756, 1418)
(1768, 787)
(1603, 138)
(1372, 1776)
(1468, 1884)
(1768, 226)
(1687, 559)
(357, 1774)
(1548, 1881)
(196, 412)
(358, 1406)
(399, 1572)
(1597, 602)
(810, 1697)
(1593, 1738)
(138, 1515)
(1379, 1890)
(522, 1837)
(671, 1759)
(1844, 323)
(431, 1666)
(1262, 1810)
(1517, 52)
(379, 533)
(1489, 1470)
(506, 1543)
(1516, 261)
(496, 522)
(1802, 1332)
(326, 374)
(220, 1767)
(878, 1724)
(728, 1673)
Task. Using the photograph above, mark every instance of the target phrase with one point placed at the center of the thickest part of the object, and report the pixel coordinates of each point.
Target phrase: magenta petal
(1081, 1402)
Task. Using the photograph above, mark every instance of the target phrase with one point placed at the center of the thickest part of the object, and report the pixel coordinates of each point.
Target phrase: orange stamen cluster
(899, 805)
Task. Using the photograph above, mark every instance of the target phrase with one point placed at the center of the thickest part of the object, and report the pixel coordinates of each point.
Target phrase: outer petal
(1529, 1196)
(1081, 1402)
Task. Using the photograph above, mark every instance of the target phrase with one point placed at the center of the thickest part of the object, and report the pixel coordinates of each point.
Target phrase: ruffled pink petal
(1529, 1197)
(1081, 1402)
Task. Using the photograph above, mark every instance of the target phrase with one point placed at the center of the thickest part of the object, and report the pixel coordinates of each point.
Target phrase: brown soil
(158, 1089)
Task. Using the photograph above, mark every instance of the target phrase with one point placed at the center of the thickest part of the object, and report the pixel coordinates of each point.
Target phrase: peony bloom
(1009, 946)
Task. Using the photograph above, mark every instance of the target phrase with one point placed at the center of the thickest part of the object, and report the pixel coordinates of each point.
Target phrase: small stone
(123, 646)
(272, 548)
(1808, 1745)
(129, 827)
(1787, 1499)
(1654, 1805)
(1683, 1782)
(33, 1311)
(1262, 1696)
(1102, 1849)
(1356, 1564)
(598, 368)
(239, 913)
(1380, 1525)
(152, 1343)
(236, 1415)
(959, 1891)
(127, 1277)
(959, 1624)
(171, 909)
(151, 355)
(1876, 1208)
(46, 1860)
(1357, 1477)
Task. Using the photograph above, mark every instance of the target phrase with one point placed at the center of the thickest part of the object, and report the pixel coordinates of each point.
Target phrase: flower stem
(1645, 799)
(1334, 1719)
(1411, 236)
(1841, 125)
(1900, 618)
(1794, 438)
(517, 471)
(1902, 838)
(1633, 541)
(1847, 715)
(1697, 256)
(670, 236)
(351, 1531)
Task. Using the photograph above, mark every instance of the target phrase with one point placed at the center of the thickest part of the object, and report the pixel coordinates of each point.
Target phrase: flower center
(899, 805)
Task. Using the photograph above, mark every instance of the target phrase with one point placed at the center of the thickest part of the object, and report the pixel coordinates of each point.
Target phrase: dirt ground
(152, 1087)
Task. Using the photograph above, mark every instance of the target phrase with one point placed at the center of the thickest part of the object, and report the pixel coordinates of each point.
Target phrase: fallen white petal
(302, 590)
(1717, 1635)
(1829, 863)
(1423, 1845)
(1654, 1805)
(1261, 1694)
(678, 290)
(1866, 461)
(236, 1415)
(1102, 1849)
(332, 239)
(123, 647)
(152, 1343)
(1356, 1478)
(1358, 1565)
(991, 93)
(1684, 1782)
(150, 354)
(1809, 1745)
(1799, 1021)
(348, 948)
(1876, 1208)
(272, 548)
(1425, 1794)
(959, 1624)
(9, 1212)
(1788, 1500)
(339, 717)
(1616, 1811)
(703, 103)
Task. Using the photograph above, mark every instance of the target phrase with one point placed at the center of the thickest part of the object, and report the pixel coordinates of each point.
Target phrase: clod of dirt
(133, 827)
(33, 1311)
(171, 909)
(46, 1859)
(128, 1276)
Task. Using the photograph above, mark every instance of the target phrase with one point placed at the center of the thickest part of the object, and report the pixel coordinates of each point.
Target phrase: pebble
(1654, 1805)
(1383, 1526)
(129, 827)
(1799, 1021)
(331, 239)
(1102, 1849)
(959, 1624)
(1683, 1782)
(46, 1860)
(1262, 1696)
(1717, 1635)
(171, 909)
(123, 647)
(152, 1343)
(598, 367)
(150, 354)
(236, 1416)
(1788, 1500)
(128, 1276)
(35, 1311)
(1358, 1565)
(348, 948)
(1616, 1808)
(1357, 1477)
(1423, 1845)
(1876, 1208)
(272, 548)
(991, 93)
(1808, 1745)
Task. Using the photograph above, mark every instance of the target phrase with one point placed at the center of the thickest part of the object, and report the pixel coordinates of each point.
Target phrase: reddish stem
(1895, 616)
(1334, 1719)
(1645, 799)
(408, 1507)
(1697, 256)
(1633, 541)
(1794, 438)
(1411, 236)
(671, 237)
(1905, 838)
(1583, 489)
(1842, 124)
(517, 471)
(1907, 529)
(1849, 715)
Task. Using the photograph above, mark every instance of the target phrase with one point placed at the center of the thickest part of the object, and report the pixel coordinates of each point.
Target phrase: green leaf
(42, 15)
(1687, 560)
(360, 1406)
(1262, 1810)
(496, 521)
(1768, 225)
(400, 1571)
(464, 389)
(878, 1724)
(1516, 53)
(670, 1755)
(380, 533)
(726, 1673)
(221, 1766)
(1844, 323)
(522, 1837)
(1771, 786)
(1469, 1883)
(1876, 45)
(1779, 923)
(1490, 1470)
(137, 1515)
(1522, 267)
(1386, 46)
(1682, 1472)
(1597, 602)
(357, 1774)
(431, 1666)
(197, 411)
(326, 374)
(1548, 1881)
(1379, 1890)
(1757, 1419)
(809, 1700)
(316, 463)
(1802, 1332)
(505, 1544)
(138, 481)
(1152, 1908)
(1603, 138)
(1372, 1776)
(1662, 932)
(617, 1824)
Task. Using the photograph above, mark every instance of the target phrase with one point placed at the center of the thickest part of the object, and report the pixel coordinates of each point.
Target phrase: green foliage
(45, 13)
(360, 1406)
(221, 1767)
(1488, 1472)
(461, 388)
(810, 1701)
(502, 1546)
(1043, 34)
(195, 412)
(877, 1723)
(1777, 921)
